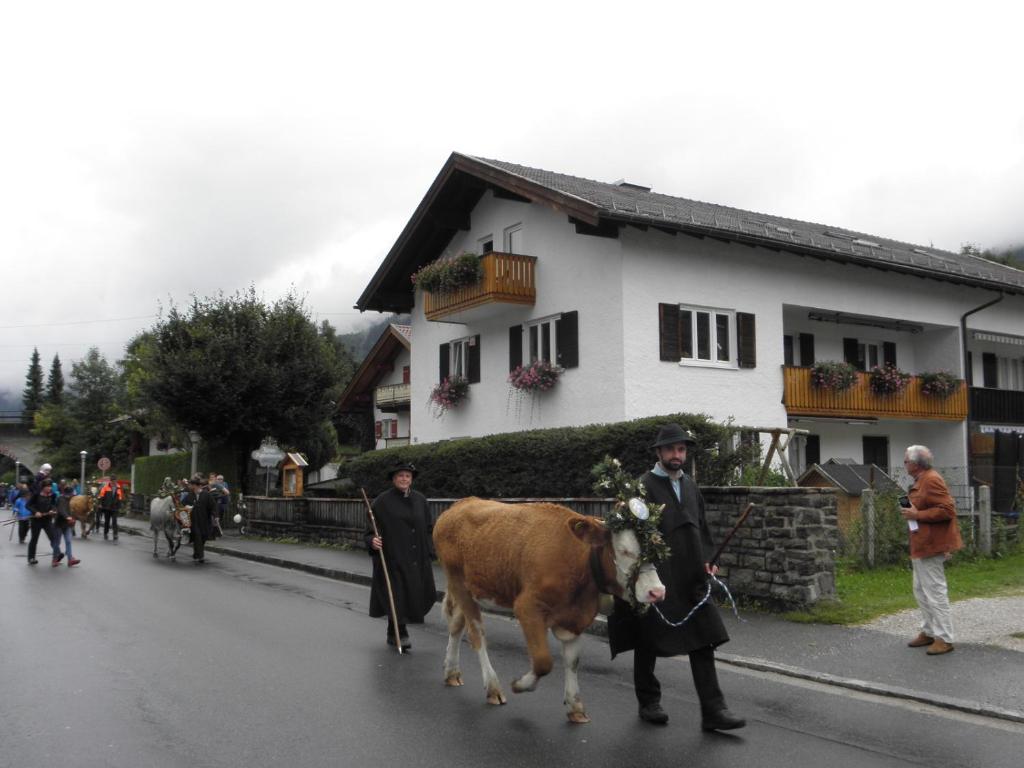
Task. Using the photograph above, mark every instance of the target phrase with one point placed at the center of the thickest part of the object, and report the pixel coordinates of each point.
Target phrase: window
(867, 354)
(460, 357)
(554, 339)
(876, 451)
(514, 239)
(722, 338)
(486, 244)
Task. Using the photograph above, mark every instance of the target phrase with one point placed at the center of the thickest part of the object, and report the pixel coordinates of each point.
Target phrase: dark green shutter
(806, 349)
(889, 353)
(567, 335)
(746, 340)
(989, 370)
(444, 362)
(668, 332)
(474, 360)
(850, 354)
(787, 350)
(515, 347)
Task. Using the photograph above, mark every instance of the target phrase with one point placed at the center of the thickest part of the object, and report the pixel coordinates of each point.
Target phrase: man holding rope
(403, 537)
(681, 626)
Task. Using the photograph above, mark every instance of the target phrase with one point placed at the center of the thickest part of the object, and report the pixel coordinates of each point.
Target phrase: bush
(150, 471)
(892, 542)
(830, 374)
(552, 463)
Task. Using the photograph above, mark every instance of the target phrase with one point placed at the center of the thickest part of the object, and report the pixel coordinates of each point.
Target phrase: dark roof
(358, 395)
(603, 207)
(853, 478)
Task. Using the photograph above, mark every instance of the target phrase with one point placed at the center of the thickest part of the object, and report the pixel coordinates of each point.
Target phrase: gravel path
(981, 620)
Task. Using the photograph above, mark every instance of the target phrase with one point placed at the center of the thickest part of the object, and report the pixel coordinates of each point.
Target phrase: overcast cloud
(149, 151)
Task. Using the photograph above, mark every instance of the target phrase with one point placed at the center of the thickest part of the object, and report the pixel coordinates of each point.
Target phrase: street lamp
(17, 472)
(81, 484)
(194, 437)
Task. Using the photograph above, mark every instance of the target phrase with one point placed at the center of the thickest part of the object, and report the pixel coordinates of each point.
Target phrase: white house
(379, 391)
(654, 304)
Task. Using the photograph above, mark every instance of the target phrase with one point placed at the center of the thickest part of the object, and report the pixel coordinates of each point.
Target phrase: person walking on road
(204, 508)
(685, 575)
(64, 524)
(403, 521)
(934, 537)
(110, 504)
(42, 505)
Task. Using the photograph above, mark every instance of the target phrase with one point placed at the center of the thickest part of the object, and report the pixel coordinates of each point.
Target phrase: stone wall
(785, 551)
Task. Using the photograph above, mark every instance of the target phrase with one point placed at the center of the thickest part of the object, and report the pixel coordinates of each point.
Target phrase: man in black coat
(204, 507)
(685, 575)
(403, 521)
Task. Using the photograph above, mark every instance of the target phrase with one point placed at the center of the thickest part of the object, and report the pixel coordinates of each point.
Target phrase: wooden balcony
(859, 402)
(1001, 406)
(508, 280)
(392, 397)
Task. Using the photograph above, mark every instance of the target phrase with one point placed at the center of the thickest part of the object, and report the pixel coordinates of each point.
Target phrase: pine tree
(32, 397)
(55, 383)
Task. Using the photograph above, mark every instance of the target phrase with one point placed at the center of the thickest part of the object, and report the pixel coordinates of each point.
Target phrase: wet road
(130, 661)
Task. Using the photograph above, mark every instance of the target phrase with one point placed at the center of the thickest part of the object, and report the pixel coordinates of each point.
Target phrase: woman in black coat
(403, 521)
(685, 576)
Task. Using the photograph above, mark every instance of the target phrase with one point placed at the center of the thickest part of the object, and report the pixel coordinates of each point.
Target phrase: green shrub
(552, 463)
(150, 471)
(892, 542)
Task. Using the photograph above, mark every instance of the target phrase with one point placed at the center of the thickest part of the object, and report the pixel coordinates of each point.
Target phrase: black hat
(406, 467)
(670, 434)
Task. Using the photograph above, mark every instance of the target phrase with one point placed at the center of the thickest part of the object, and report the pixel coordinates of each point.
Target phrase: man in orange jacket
(934, 536)
(111, 496)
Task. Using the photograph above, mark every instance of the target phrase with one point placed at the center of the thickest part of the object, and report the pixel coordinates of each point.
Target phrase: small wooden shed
(850, 480)
(291, 474)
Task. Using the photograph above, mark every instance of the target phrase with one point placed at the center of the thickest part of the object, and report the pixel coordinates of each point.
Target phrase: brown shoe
(939, 646)
(921, 640)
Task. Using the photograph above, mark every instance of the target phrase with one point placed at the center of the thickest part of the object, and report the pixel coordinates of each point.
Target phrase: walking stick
(387, 577)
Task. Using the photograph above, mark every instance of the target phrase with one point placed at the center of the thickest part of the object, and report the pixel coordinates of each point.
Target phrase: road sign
(103, 464)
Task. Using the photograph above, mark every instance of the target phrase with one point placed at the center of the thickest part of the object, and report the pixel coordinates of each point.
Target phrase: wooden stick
(387, 577)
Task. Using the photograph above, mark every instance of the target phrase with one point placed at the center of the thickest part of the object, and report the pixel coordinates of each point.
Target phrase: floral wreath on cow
(631, 512)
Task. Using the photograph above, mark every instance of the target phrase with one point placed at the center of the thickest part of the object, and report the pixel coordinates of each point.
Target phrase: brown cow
(548, 564)
(82, 511)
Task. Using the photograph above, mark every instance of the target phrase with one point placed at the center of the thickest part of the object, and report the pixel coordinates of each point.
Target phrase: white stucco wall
(402, 358)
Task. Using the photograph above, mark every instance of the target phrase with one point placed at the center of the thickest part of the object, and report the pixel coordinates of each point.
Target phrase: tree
(32, 396)
(236, 371)
(55, 382)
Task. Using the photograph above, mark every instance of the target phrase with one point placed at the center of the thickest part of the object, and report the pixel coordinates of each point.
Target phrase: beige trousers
(933, 596)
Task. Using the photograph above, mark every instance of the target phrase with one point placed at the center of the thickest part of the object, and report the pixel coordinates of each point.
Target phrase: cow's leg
(571, 648)
(456, 626)
(170, 544)
(177, 543)
(156, 540)
(535, 631)
(474, 624)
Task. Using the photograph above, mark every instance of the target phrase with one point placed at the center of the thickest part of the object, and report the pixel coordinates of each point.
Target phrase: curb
(600, 629)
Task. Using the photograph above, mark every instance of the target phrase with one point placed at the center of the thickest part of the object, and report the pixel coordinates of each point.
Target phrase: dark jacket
(64, 518)
(686, 532)
(203, 510)
(405, 526)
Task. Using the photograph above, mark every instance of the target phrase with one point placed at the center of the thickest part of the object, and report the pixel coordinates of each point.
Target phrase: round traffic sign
(103, 464)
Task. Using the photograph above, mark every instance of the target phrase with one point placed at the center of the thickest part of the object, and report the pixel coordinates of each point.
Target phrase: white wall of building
(402, 359)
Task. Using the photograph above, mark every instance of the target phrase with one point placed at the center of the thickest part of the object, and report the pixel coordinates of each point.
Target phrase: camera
(904, 501)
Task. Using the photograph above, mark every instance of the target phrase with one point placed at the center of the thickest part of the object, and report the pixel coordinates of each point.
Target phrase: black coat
(204, 507)
(686, 532)
(404, 525)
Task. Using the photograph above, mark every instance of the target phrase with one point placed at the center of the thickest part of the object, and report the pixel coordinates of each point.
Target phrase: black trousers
(705, 678)
(41, 524)
(23, 526)
(108, 516)
(198, 545)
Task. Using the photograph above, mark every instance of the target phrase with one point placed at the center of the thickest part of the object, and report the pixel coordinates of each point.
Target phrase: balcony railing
(1003, 406)
(801, 398)
(508, 279)
(392, 396)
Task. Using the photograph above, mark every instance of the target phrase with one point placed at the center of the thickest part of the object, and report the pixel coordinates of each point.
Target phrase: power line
(77, 322)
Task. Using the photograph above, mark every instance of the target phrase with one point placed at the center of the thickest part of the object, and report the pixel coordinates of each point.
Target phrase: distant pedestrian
(64, 524)
(403, 521)
(934, 537)
(20, 505)
(110, 496)
(204, 508)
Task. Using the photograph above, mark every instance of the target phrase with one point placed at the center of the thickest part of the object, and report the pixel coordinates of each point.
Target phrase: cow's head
(617, 555)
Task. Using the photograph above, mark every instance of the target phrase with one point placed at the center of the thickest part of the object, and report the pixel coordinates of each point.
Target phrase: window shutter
(405, 374)
(889, 353)
(394, 427)
(377, 429)
(567, 333)
(515, 347)
(850, 352)
(473, 367)
(787, 350)
(746, 340)
(989, 370)
(970, 369)
(444, 351)
(813, 450)
(668, 332)
(806, 349)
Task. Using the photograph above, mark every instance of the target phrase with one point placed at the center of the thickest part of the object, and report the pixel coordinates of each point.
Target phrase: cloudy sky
(154, 150)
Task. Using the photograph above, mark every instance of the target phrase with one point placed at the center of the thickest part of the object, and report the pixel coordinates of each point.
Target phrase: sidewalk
(977, 677)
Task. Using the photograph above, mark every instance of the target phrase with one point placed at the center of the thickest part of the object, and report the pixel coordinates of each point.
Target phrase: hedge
(150, 471)
(552, 463)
